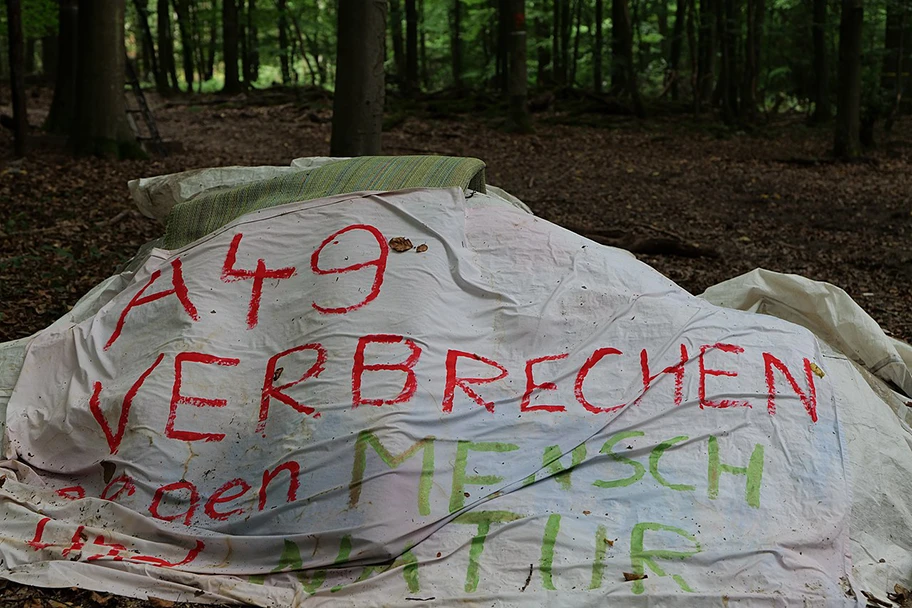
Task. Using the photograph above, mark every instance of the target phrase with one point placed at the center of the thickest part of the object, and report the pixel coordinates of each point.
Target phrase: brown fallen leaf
(421, 248)
(874, 600)
(400, 244)
(901, 596)
(157, 602)
(100, 599)
(630, 576)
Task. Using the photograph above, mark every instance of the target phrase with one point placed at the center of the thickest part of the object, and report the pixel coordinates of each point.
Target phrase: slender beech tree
(576, 42)
(142, 15)
(411, 47)
(754, 12)
(519, 108)
(253, 44)
(620, 57)
(17, 75)
(566, 27)
(726, 91)
(49, 57)
(822, 112)
(847, 143)
(597, 50)
(896, 64)
(544, 75)
(677, 44)
(165, 49)
(395, 24)
(705, 54)
(360, 85)
(213, 41)
(502, 67)
(284, 59)
(456, 44)
(182, 8)
(558, 70)
(230, 40)
(60, 117)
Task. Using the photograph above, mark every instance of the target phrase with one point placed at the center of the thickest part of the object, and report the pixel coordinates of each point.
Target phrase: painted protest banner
(292, 409)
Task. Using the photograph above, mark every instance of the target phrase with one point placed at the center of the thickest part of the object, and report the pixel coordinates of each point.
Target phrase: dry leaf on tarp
(400, 244)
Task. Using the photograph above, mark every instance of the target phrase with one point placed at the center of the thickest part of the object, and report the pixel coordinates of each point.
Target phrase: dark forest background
(839, 62)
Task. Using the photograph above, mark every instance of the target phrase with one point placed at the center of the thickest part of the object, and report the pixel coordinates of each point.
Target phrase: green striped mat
(195, 218)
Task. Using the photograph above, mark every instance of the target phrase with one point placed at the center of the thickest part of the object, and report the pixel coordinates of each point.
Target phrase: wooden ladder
(151, 138)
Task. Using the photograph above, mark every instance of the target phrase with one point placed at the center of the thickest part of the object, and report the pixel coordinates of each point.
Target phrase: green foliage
(786, 68)
(39, 18)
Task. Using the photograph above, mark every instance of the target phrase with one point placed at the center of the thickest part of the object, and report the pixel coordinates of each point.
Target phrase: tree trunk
(501, 72)
(182, 8)
(519, 120)
(848, 91)
(566, 29)
(17, 75)
(599, 43)
(213, 42)
(49, 56)
(242, 38)
(558, 70)
(142, 15)
(60, 116)
(619, 56)
(705, 55)
(199, 52)
(896, 62)
(576, 42)
(641, 54)
(543, 76)
(754, 14)
(28, 55)
(167, 82)
(692, 46)
(632, 86)
(622, 43)
(411, 47)
(100, 126)
(456, 44)
(253, 44)
(395, 9)
(822, 111)
(422, 47)
(283, 41)
(677, 45)
(662, 17)
(359, 96)
(230, 40)
(726, 82)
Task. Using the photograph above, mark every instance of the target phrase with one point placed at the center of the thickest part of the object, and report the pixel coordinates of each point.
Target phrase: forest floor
(770, 198)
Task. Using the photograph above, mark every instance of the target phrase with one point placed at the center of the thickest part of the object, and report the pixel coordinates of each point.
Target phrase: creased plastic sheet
(875, 417)
(826, 310)
(289, 411)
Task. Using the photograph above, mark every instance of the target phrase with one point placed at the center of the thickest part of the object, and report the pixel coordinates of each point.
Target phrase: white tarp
(288, 410)
(875, 418)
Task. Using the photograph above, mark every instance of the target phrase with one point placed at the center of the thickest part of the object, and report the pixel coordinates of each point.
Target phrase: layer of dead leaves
(759, 199)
